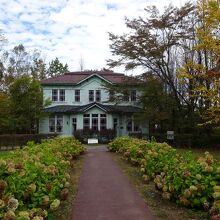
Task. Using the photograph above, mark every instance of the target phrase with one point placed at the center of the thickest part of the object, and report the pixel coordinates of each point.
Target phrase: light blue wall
(93, 83)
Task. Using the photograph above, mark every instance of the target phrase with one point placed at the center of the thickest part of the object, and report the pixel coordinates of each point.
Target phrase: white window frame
(59, 96)
(77, 96)
(56, 119)
(98, 95)
(133, 95)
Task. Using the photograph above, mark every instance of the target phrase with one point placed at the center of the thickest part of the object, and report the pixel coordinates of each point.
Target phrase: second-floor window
(62, 95)
(77, 95)
(126, 96)
(133, 96)
(130, 96)
(111, 95)
(98, 95)
(58, 95)
(94, 95)
(55, 95)
(91, 95)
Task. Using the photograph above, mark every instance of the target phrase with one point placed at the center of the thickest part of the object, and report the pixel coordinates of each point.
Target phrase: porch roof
(84, 108)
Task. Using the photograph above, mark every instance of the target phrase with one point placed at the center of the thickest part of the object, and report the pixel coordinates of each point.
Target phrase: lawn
(4, 154)
(200, 152)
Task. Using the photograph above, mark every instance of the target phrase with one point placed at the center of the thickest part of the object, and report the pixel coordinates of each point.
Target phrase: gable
(93, 82)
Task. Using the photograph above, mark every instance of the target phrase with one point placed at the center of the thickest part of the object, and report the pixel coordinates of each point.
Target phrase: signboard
(170, 135)
(93, 141)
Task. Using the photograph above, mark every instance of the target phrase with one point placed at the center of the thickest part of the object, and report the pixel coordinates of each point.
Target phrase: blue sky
(70, 29)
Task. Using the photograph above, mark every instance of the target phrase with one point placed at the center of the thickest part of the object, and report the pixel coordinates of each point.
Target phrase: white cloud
(70, 29)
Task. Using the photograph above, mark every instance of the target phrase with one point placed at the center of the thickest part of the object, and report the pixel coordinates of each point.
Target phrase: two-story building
(79, 100)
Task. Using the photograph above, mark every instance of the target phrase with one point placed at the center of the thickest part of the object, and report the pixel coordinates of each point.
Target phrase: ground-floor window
(56, 123)
(132, 126)
(95, 121)
(74, 124)
(103, 121)
(86, 121)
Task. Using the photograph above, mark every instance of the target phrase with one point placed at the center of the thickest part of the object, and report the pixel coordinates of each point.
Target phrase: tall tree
(156, 43)
(26, 104)
(204, 74)
(159, 106)
(152, 42)
(38, 69)
(4, 112)
(19, 61)
(57, 68)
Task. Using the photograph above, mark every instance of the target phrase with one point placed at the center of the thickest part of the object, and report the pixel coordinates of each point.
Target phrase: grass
(197, 152)
(4, 154)
(65, 210)
(162, 209)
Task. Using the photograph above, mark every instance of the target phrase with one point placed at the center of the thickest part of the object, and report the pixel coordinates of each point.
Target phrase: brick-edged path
(105, 192)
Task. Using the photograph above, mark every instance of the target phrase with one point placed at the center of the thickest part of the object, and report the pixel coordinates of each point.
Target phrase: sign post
(170, 137)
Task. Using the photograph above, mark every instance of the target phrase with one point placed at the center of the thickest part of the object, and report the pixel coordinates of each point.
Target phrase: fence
(11, 141)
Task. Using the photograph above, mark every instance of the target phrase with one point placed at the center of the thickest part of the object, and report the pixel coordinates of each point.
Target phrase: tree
(57, 68)
(152, 43)
(156, 44)
(19, 61)
(204, 74)
(158, 105)
(26, 104)
(4, 112)
(38, 69)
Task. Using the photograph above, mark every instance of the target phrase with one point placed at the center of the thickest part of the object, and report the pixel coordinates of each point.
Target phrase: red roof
(77, 77)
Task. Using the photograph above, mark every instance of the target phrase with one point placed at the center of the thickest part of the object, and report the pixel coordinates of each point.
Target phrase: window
(102, 121)
(91, 95)
(77, 95)
(136, 127)
(74, 124)
(126, 96)
(58, 95)
(111, 96)
(95, 122)
(98, 95)
(52, 127)
(62, 95)
(133, 96)
(56, 123)
(59, 123)
(86, 121)
(54, 95)
(129, 124)
(115, 123)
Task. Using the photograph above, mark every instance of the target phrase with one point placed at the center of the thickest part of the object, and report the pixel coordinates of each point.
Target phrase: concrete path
(105, 192)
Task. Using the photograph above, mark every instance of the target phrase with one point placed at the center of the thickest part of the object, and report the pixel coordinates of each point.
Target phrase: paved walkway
(105, 192)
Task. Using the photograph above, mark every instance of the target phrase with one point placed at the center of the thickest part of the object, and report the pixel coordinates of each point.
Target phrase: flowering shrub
(182, 179)
(34, 180)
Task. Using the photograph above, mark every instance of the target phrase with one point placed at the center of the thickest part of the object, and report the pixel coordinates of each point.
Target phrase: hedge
(183, 179)
(34, 180)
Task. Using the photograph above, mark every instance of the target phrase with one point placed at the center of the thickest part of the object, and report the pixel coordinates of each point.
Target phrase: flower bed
(34, 180)
(182, 179)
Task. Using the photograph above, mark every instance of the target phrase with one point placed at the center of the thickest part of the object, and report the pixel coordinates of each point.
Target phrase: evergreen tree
(26, 99)
(57, 68)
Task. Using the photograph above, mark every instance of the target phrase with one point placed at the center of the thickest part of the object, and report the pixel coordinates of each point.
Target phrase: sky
(71, 30)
